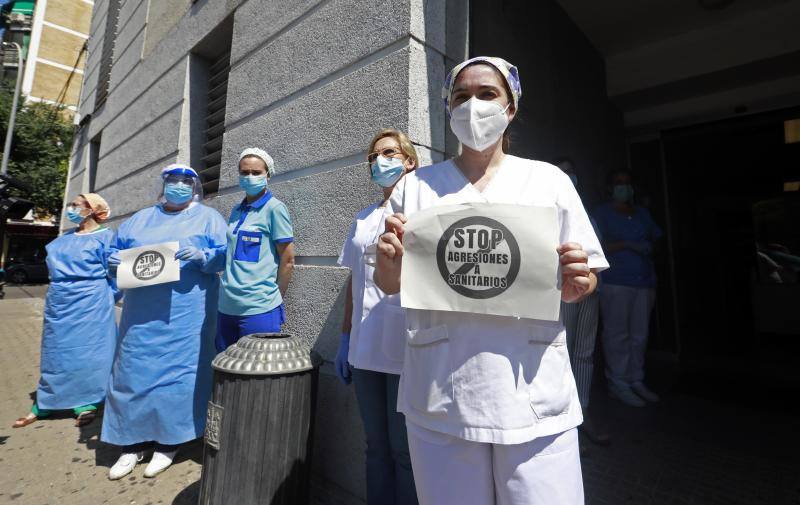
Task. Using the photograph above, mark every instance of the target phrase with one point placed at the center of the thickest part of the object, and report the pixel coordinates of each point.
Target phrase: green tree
(40, 149)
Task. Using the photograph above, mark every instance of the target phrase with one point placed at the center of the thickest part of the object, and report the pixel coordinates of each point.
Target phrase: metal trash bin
(259, 426)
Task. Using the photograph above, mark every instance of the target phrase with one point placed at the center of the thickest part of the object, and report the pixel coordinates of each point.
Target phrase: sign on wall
(483, 258)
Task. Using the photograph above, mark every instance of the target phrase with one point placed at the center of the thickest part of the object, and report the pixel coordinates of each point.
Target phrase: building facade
(57, 51)
(53, 35)
(17, 22)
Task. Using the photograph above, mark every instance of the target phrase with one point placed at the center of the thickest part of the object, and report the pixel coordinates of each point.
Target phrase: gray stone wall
(311, 81)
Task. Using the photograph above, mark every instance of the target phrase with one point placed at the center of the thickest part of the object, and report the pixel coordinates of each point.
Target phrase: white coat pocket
(393, 341)
(427, 371)
(551, 389)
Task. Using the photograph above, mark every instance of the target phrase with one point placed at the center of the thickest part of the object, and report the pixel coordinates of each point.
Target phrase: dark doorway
(736, 250)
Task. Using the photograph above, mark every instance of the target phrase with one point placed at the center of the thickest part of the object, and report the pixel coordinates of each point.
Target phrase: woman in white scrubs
(490, 401)
(373, 334)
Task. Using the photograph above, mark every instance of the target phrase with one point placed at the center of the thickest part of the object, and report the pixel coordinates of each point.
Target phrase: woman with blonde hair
(373, 333)
(80, 333)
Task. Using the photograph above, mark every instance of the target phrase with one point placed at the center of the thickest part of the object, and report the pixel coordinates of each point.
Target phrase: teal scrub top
(250, 281)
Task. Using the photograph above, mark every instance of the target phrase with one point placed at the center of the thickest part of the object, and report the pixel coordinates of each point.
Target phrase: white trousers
(450, 470)
(626, 323)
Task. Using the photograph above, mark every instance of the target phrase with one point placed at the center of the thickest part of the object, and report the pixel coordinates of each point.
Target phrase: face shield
(178, 181)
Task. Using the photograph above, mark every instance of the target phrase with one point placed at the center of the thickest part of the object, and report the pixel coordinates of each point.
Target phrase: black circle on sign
(151, 274)
(513, 246)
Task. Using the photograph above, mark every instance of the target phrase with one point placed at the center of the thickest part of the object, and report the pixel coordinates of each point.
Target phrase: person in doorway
(161, 380)
(373, 334)
(490, 402)
(628, 294)
(580, 320)
(260, 256)
(80, 333)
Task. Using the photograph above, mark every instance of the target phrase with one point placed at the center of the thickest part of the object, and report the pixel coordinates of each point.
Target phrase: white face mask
(478, 124)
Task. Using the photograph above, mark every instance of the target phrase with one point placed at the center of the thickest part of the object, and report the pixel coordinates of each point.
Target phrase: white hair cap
(260, 153)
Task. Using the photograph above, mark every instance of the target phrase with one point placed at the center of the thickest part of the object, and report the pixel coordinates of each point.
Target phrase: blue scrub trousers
(390, 480)
(231, 328)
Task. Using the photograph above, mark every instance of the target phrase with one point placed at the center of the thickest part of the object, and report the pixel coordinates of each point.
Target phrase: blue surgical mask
(178, 193)
(622, 193)
(253, 184)
(74, 214)
(387, 171)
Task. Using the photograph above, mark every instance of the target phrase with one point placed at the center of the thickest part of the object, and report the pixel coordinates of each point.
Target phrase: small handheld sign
(483, 258)
(148, 265)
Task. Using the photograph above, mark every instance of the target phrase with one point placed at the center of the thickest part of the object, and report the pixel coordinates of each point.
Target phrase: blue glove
(342, 366)
(113, 259)
(190, 253)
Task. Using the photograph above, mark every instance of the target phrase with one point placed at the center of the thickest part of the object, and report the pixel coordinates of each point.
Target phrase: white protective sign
(148, 265)
(483, 258)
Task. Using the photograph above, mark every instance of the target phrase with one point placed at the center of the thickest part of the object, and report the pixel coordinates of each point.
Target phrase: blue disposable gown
(79, 334)
(161, 380)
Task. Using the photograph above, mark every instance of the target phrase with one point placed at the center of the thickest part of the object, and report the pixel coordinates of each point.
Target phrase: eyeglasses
(389, 152)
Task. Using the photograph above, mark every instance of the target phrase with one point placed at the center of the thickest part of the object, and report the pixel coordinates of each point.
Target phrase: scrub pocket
(427, 372)
(248, 246)
(393, 340)
(551, 389)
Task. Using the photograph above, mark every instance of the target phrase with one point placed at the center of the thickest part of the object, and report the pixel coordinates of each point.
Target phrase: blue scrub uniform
(161, 380)
(628, 267)
(627, 295)
(250, 301)
(80, 334)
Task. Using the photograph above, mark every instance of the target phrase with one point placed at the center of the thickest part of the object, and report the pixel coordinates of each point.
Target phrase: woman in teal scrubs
(260, 256)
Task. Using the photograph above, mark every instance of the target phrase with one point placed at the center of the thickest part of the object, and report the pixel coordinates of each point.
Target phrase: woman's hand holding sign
(577, 280)
(390, 255)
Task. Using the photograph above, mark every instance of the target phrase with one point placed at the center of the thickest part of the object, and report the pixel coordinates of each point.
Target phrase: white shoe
(124, 465)
(626, 396)
(159, 462)
(640, 389)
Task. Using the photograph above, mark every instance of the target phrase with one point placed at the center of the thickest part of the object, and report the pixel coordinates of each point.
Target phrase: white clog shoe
(124, 465)
(160, 462)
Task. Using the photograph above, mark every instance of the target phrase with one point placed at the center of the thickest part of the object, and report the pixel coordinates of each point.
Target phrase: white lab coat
(483, 378)
(377, 335)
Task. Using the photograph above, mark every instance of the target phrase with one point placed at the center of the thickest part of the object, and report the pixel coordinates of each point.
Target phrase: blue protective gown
(79, 334)
(161, 380)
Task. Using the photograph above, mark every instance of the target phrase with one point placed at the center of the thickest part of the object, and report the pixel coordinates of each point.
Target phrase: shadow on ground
(692, 448)
(188, 496)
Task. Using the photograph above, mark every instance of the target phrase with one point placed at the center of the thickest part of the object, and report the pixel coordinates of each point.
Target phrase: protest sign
(148, 265)
(483, 258)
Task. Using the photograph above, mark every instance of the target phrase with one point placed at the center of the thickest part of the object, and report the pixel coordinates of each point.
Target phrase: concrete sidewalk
(685, 450)
(51, 461)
